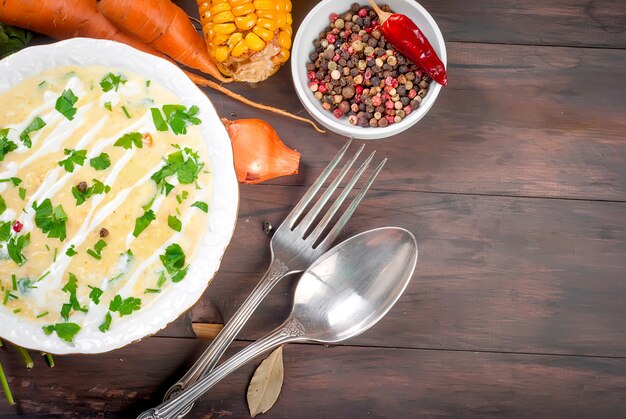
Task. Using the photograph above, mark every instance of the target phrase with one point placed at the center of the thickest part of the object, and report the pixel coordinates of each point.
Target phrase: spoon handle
(222, 341)
(290, 331)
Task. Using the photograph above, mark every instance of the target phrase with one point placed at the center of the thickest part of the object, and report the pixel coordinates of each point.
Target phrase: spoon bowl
(352, 286)
(342, 294)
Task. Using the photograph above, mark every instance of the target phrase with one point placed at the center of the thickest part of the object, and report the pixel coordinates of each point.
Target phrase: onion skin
(259, 153)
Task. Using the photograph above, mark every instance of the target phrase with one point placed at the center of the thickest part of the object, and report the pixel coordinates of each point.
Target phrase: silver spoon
(345, 292)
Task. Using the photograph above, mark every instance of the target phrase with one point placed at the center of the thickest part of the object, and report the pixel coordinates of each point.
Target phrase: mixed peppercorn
(357, 74)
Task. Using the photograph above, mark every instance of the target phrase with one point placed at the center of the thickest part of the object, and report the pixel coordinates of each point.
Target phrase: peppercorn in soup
(103, 197)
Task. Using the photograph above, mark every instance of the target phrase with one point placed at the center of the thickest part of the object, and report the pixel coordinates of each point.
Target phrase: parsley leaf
(107, 323)
(174, 261)
(126, 141)
(125, 306)
(128, 115)
(74, 157)
(96, 253)
(5, 231)
(95, 294)
(15, 247)
(6, 145)
(14, 180)
(22, 193)
(3, 205)
(185, 164)
(71, 251)
(102, 162)
(107, 106)
(111, 81)
(50, 220)
(159, 122)
(65, 331)
(35, 125)
(65, 104)
(96, 189)
(71, 287)
(141, 223)
(201, 205)
(179, 117)
(174, 223)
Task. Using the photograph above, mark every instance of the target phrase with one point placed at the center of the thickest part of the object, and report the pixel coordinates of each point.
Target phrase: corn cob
(248, 39)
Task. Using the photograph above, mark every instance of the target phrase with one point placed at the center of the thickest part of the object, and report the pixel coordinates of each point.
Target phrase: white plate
(223, 204)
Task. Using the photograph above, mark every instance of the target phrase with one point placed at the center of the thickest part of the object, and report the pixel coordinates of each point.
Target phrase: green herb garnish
(24, 285)
(185, 164)
(96, 189)
(75, 157)
(102, 162)
(15, 247)
(142, 222)
(71, 251)
(201, 205)
(65, 331)
(112, 81)
(152, 291)
(5, 231)
(65, 104)
(126, 112)
(96, 252)
(71, 287)
(126, 141)
(159, 121)
(174, 223)
(39, 316)
(179, 117)
(14, 180)
(107, 106)
(95, 294)
(13, 39)
(50, 220)
(21, 193)
(107, 323)
(3, 205)
(35, 125)
(124, 306)
(174, 261)
(6, 145)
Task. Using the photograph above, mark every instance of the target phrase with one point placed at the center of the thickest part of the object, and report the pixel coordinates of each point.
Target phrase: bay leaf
(266, 383)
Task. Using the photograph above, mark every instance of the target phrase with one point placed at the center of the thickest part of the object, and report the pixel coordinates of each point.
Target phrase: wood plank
(514, 120)
(330, 382)
(494, 273)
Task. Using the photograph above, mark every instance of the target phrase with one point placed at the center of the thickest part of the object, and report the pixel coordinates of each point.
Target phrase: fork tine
(334, 232)
(315, 187)
(316, 234)
(315, 210)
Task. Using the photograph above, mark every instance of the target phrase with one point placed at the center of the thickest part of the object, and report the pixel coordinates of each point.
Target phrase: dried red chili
(407, 38)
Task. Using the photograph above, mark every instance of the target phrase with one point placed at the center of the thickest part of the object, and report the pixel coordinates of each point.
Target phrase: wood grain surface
(515, 187)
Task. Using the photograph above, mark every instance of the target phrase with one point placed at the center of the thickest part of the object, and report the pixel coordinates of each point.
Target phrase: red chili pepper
(404, 34)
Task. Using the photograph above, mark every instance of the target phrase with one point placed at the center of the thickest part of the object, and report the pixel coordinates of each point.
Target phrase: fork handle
(207, 361)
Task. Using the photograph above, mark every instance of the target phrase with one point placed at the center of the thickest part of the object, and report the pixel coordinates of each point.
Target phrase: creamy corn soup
(104, 187)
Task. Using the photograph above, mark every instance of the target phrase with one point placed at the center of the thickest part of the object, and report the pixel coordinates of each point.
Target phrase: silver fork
(292, 250)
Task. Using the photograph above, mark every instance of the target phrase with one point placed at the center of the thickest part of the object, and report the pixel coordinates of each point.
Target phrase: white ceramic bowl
(315, 22)
(223, 203)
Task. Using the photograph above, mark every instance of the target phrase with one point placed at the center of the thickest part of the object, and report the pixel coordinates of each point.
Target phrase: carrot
(164, 26)
(63, 19)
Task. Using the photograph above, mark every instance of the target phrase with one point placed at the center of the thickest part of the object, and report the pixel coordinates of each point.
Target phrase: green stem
(5, 386)
(23, 353)
(49, 358)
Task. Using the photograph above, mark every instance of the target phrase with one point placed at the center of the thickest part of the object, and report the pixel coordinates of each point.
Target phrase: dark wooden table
(515, 186)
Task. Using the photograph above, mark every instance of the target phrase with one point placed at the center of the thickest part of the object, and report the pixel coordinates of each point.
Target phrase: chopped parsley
(201, 205)
(148, 83)
(128, 115)
(35, 125)
(174, 262)
(182, 196)
(142, 222)
(124, 306)
(96, 252)
(174, 223)
(15, 247)
(179, 117)
(39, 316)
(107, 106)
(112, 81)
(161, 280)
(65, 331)
(24, 285)
(65, 104)
(159, 121)
(126, 141)
(152, 291)
(8, 297)
(71, 251)
(102, 162)
(50, 220)
(22, 193)
(96, 189)
(185, 164)
(71, 287)
(95, 294)
(107, 323)
(14, 180)
(5, 231)
(3, 205)
(6, 145)
(75, 157)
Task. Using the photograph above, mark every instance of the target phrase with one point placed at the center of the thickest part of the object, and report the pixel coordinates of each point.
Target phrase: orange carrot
(164, 26)
(64, 19)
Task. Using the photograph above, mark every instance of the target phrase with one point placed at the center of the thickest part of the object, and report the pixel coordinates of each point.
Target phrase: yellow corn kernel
(267, 24)
(224, 29)
(264, 4)
(247, 22)
(282, 19)
(235, 3)
(220, 39)
(284, 40)
(240, 49)
(219, 8)
(281, 5)
(223, 17)
(268, 14)
(288, 6)
(254, 42)
(234, 39)
(281, 57)
(243, 9)
(263, 33)
(221, 54)
(287, 29)
(289, 20)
